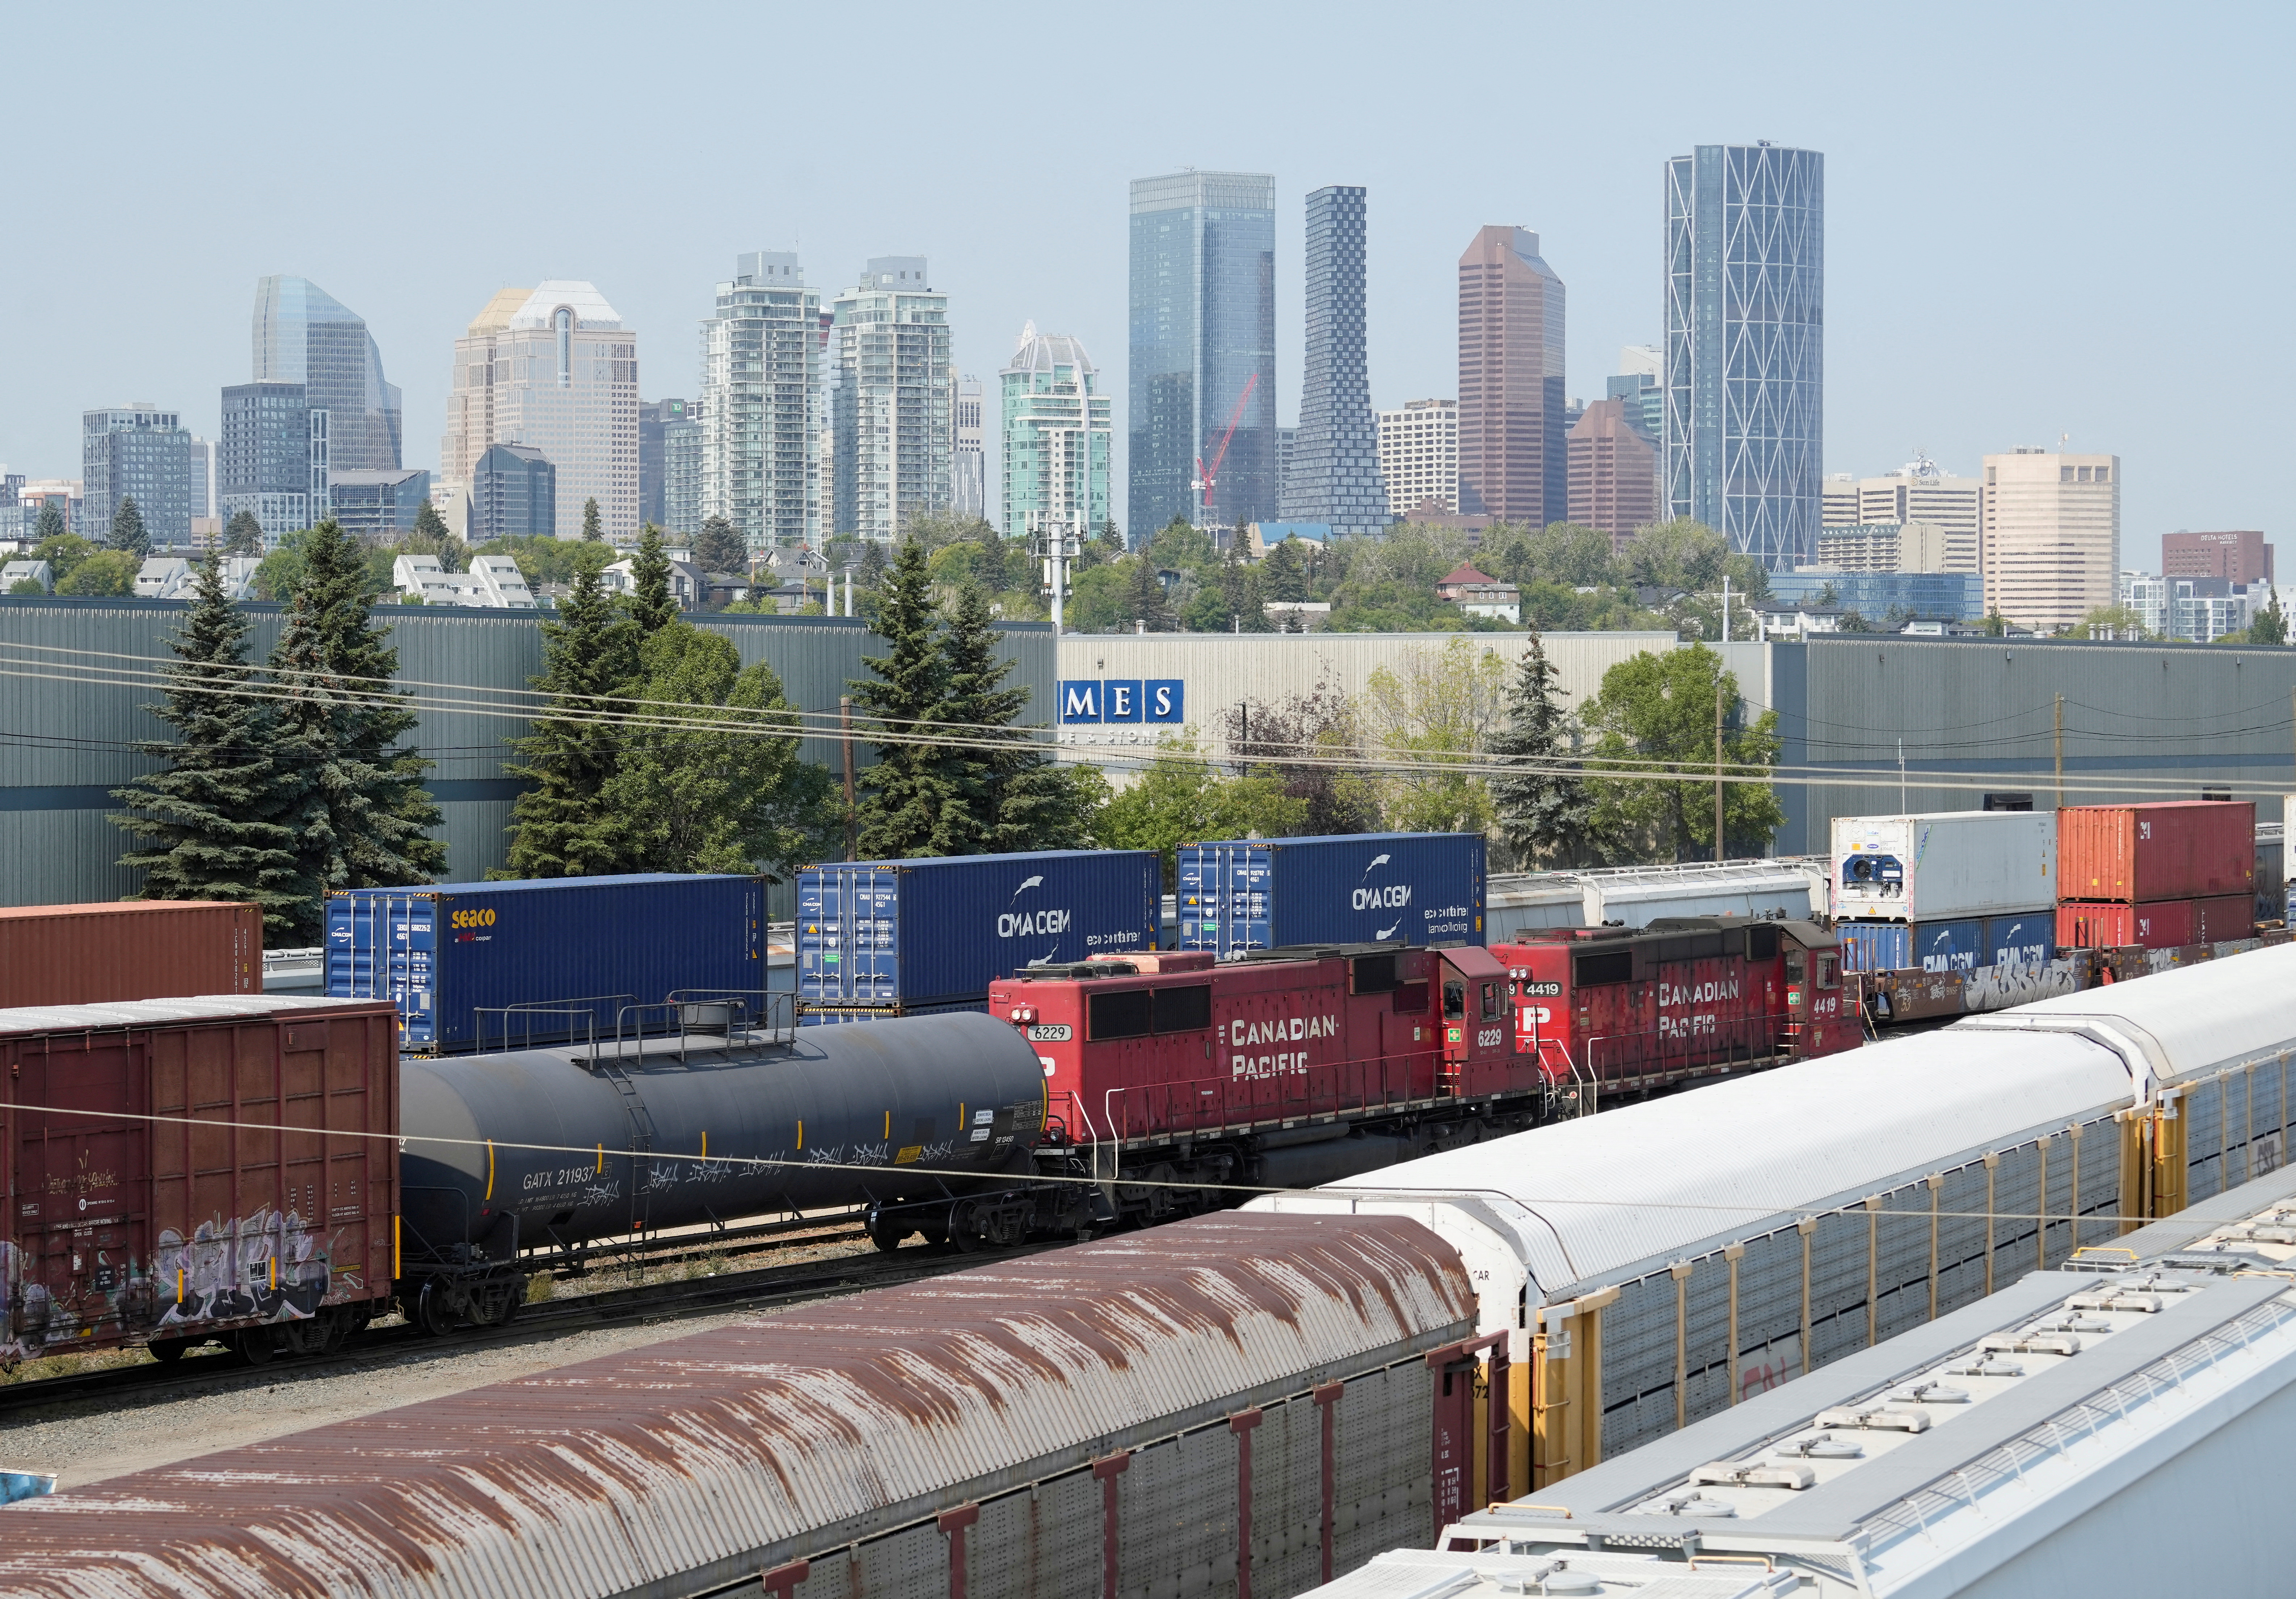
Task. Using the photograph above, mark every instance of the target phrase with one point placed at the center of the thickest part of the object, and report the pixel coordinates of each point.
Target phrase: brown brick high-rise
(1512, 462)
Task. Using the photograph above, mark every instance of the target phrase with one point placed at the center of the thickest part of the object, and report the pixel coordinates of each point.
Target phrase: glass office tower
(1745, 345)
(1204, 351)
(1332, 474)
(303, 335)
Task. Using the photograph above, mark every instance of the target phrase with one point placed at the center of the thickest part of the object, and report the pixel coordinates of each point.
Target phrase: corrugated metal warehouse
(1115, 1417)
(66, 736)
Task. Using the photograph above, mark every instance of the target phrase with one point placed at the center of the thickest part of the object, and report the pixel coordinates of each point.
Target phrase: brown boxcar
(2178, 849)
(178, 1170)
(129, 949)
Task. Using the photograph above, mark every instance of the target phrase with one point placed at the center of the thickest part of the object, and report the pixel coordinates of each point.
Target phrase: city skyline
(1955, 353)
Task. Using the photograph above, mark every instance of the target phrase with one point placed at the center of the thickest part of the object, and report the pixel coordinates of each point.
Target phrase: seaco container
(1369, 887)
(134, 949)
(2159, 924)
(871, 934)
(1944, 866)
(2178, 850)
(224, 1165)
(546, 959)
(2027, 939)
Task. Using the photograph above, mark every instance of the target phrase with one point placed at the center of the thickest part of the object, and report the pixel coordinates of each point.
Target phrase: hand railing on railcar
(1216, 1104)
(1737, 1039)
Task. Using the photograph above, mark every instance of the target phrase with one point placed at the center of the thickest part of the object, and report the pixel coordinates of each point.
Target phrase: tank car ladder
(642, 1134)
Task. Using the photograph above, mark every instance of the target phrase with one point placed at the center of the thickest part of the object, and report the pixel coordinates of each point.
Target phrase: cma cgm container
(1370, 887)
(914, 932)
(134, 949)
(1944, 866)
(2179, 849)
(1967, 945)
(2161, 924)
(460, 958)
(180, 1170)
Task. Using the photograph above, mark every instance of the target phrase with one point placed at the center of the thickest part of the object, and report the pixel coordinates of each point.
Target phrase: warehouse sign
(1105, 699)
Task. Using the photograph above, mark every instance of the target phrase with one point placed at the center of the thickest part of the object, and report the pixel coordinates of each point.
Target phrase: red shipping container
(129, 949)
(2161, 924)
(181, 1170)
(2180, 849)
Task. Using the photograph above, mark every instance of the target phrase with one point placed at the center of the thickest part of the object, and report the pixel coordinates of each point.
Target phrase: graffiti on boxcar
(271, 1266)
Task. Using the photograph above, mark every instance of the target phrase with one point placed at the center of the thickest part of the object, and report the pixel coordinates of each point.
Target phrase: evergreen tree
(208, 819)
(651, 606)
(997, 573)
(1010, 797)
(903, 796)
(128, 532)
(362, 818)
(50, 524)
(1282, 574)
(242, 534)
(1111, 541)
(592, 528)
(563, 826)
(1541, 812)
(719, 548)
(873, 565)
(1143, 595)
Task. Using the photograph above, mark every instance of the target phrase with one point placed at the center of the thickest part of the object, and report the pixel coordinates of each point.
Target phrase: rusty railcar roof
(704, 1458)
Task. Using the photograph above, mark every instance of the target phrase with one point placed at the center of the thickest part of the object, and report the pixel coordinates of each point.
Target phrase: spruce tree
(651, 605)
(1541, 813)
(719, 547)
(902, 797)
(128, 532)
(562, 826)
(242, 534)
(49, 524)
(592, 528)
(364, 820)
(1143, 595)
(1006, 798)
(208, 818)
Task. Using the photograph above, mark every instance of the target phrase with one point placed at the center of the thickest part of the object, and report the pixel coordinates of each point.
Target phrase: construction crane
(1205, 479)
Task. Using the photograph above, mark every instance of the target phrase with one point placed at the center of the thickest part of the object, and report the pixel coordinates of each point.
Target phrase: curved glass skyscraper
(1745, 345)
(304, 335)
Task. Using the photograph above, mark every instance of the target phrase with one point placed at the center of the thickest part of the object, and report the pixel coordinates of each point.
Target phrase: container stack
(877, 939)
(1957, 891)
(1418, 889)
(2156, 876)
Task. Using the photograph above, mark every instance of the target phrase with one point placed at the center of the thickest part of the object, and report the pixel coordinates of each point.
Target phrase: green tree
(2269, 625)
(1566, 552)
(541, 559)
(593, 528)
(729, 793)
(102, 573)
(1540, 811)
(363, 818)
(1690, 556)
(652, 606)
(719, 547)
(242, 534)
(1994, 625)
(1311, 746)
(207, 821)
(49, 522)
(28, 586)
(1436, 714)
(1183, 797)
(128, 532)
(1143, 595)
(1283, 572)
(1653, 724)
(562, 824)
(63, 552)
(905, 792)
(1010, 797)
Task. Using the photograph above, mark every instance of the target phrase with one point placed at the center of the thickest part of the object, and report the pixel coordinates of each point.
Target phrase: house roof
(1466, 573)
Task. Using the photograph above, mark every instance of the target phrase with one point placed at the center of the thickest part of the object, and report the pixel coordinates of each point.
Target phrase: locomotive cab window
(1490, 1001)
(1825, 971)
(1184, 1010)
(1797, 965)
(1761, 943)
(1125, 1013)
(1455, 1001)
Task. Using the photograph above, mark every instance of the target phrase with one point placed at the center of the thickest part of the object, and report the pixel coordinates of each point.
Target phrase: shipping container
(1373, 888)
(2178, 849)
(180, 1170)
(1944, 866)
(132, 949)
(544, 959)
(815, 1015)
(1972, 944)
(2161, 924)
(872, 933)
(2271, 878)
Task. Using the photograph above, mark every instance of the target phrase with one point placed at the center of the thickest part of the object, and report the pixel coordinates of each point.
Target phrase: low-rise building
(18, 572)
(1479, 594)
(2199, 610)
(378, 504)
(1953, 597)
(493, 583)
(689, 585)
(164, 577)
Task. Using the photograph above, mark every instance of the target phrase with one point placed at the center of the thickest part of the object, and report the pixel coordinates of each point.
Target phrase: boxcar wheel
(168, 1351)
(430, 1312)
(255, 1345)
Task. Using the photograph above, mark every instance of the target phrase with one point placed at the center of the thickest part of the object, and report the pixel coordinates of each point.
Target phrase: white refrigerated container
(1944, 865)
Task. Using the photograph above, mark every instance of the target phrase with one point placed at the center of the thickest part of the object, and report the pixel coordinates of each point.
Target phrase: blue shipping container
(818, 1016)
(591, 946)
(874, 933)
(1371, 888)
(1960, 946)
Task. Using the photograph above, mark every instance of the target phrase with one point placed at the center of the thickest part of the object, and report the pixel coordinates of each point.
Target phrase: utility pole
(852, 816)
(1717, 768)
(2060, 752)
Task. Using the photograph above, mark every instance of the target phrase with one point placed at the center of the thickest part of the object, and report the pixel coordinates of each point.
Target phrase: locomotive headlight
(1023, 1014)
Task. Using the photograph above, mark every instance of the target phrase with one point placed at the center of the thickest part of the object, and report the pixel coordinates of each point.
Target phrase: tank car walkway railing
(1212, 1105)
(726, 1017)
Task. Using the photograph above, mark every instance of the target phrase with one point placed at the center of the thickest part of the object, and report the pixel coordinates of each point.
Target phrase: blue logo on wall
(1085, 699)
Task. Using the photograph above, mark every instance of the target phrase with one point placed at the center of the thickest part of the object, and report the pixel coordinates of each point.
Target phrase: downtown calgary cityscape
(1251, 803)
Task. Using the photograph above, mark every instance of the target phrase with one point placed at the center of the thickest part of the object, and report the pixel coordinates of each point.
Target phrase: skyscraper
(1641, 381)
(895, 439)
(1202, 381)
(142, 452)
(1614, 474)
(552, 368)
(1512, 462)
(1419, 455)
(972, 479)
(761, 402)
(1333, 474)
(1745, 345)
(303, 335)
(274, 457)
(681, 469)
(655, 419)
(1920, 491)
(2052, 536)
(1059, 438)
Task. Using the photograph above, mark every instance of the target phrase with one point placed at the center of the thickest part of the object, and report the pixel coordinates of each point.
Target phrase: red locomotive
(1292, 1067)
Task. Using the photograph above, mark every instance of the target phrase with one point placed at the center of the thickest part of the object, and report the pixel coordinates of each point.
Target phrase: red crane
(1205, 479)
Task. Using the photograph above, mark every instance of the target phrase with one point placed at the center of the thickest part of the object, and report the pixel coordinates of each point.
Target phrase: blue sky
(2042, 220)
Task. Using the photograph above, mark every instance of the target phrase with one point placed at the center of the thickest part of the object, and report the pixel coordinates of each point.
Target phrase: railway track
(762, 1287)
